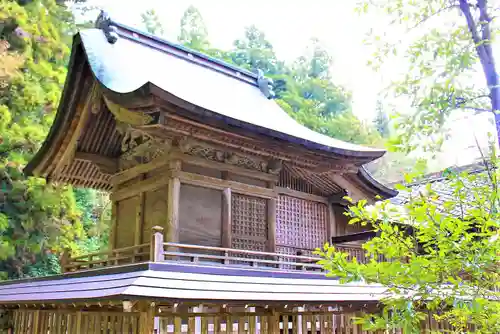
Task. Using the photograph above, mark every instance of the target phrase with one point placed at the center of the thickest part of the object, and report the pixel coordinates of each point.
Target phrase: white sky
(289, 26)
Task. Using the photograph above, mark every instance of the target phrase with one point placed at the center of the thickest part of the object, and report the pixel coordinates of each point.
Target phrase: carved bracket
(140, 147)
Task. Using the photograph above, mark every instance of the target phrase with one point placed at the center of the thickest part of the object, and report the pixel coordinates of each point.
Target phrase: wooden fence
(27, 321)
(57, 321)
(259, 323)
(158, 251)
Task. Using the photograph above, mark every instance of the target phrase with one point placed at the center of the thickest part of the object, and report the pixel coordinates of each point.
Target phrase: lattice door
(249, 223)
(300, 225)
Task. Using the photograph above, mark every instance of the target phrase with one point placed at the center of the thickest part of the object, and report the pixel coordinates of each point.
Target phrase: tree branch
(439, 11)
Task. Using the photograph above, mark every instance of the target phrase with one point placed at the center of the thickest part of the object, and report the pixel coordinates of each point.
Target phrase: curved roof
(139, 65)
(133, 63)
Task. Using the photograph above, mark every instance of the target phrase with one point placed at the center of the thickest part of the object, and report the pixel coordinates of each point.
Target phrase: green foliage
(152, 22)
(382, 121)
(194, 33)
(444, 44)
(37, 220)
(447, 264)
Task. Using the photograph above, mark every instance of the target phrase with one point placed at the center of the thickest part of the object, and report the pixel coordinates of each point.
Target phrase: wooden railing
(158, 251)
(241, 257)
(119, 256)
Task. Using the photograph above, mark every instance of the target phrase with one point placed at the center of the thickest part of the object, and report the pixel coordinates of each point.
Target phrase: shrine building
(219, 199)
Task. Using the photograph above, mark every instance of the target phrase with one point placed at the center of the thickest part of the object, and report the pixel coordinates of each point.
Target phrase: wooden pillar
(36, 322)
(174, 189)
(147, 318)
(78, 323)
(274, 322)
(139, 217)
(226, 218)
(114, 222)
(271, 221)
(332, 223)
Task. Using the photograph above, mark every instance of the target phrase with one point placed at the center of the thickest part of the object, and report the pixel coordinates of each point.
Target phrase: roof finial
(265, 84)
(103, 22)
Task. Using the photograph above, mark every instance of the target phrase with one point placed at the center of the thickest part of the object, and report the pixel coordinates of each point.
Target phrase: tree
(315, 63)
(254, 52)
(381, 121)
(445, 42)
(152, 22)
(194, 33)
(440, 253)
(37, 220)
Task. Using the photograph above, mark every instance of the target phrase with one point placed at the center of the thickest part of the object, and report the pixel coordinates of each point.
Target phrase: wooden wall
(200, 221)
(155, 211)
(125, 222)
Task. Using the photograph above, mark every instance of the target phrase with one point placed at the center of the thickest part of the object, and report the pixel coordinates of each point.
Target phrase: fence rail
(158, 251)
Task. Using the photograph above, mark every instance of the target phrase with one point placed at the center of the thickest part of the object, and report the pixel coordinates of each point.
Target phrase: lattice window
(249, 223)
(249, 217)
(300, 224)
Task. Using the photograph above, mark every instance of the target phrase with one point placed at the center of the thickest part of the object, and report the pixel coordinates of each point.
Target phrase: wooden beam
(139, 220)
(353, 237)
(150, 184)
(114, 221)
(271, 222)
(130, 173)
(301, 195)
(104, 164)
(353, 191)
(70, 148)
(215, 183)
(331, 227)
(224, 167)
(226, 218)
(173, 198)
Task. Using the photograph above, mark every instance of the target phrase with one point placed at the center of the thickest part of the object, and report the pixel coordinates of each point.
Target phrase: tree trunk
(481, 36)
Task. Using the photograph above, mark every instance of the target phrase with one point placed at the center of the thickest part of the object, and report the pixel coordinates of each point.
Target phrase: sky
(289, 26)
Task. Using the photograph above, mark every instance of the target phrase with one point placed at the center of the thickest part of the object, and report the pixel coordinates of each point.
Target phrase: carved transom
(209, 152)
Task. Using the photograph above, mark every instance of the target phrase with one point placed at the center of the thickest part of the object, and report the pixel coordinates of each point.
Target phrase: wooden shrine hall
(219, 199)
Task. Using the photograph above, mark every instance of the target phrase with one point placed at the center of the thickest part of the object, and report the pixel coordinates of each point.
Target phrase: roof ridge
(113, 29)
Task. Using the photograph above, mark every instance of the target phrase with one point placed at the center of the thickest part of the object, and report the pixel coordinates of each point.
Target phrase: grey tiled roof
(444, 188)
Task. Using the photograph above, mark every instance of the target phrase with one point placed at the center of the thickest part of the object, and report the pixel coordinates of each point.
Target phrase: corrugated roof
(184, 281)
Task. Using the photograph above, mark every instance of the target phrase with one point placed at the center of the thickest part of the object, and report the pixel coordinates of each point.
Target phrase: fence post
(156, 254)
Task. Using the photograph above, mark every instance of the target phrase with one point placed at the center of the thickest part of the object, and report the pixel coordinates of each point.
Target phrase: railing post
(156, 254)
